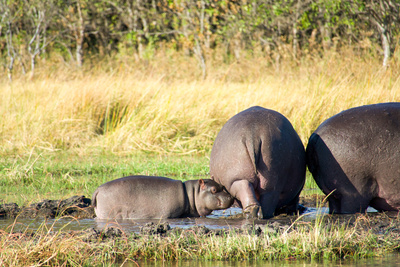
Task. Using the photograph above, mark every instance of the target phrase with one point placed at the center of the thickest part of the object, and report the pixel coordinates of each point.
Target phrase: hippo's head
(212, 196)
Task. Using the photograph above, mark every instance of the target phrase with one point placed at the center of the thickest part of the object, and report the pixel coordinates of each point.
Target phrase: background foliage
(76, 30)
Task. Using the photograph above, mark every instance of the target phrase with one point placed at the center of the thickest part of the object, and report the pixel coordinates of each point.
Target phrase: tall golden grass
(162, 105)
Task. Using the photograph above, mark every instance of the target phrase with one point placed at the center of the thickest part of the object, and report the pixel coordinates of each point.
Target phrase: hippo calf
(259, 158)
(148, 197)
(354, 158)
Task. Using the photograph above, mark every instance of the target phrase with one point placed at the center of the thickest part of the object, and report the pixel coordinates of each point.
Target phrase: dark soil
(76, 206)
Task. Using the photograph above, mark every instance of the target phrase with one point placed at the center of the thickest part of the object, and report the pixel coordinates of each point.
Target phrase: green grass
(32, 178)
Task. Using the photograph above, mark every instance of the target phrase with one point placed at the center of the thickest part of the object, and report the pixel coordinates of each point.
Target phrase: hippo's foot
(253, 212)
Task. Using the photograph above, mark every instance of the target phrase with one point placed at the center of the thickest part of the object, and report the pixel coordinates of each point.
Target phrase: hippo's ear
(202, 184)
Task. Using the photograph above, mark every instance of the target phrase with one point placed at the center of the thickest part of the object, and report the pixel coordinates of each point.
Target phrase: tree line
(75, 29)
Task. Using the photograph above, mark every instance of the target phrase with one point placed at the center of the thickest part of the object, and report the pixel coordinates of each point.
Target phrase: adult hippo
(354, 157)
(259, 158)
(149, 197)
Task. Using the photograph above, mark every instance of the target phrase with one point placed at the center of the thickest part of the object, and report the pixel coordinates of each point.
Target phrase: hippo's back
(356, 153)
(136, 197)
(363, 134)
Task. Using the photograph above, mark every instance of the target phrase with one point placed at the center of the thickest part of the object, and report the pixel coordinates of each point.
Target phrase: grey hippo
(150, 197)
(259, 158)
(354, 158)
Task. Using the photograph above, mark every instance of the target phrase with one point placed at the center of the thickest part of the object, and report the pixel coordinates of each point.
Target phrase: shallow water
(216, 220)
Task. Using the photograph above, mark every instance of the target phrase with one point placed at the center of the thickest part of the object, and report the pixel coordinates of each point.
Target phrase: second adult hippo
(148, 197)
(354, 157)
(259, 158)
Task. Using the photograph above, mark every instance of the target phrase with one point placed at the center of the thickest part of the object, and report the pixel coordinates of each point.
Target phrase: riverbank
(323, 237)
(329, 238)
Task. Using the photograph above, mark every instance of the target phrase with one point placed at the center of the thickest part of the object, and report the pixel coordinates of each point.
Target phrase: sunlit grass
(128, 107)
(59, 175)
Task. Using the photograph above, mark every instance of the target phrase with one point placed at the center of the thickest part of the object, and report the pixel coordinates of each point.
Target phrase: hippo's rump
(261, 146)
(355, 155)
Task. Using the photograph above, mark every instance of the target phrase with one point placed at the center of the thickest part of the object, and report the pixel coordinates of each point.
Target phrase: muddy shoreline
(79, 207)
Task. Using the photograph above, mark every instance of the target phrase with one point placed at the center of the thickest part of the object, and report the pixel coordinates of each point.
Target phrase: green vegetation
(76, 31)
(60, 175)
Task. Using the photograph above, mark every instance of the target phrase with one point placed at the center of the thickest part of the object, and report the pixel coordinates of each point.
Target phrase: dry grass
(161, 105)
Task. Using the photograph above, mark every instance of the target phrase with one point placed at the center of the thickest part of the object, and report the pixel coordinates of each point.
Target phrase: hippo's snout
(225, 201)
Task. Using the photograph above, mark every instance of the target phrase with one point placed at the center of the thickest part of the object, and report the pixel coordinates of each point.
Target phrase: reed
(161, 105)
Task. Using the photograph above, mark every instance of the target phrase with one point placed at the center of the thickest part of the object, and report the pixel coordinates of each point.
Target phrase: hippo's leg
(290, 208)
(347, 204)
(381, 204)
(243, 190)
(269, 201)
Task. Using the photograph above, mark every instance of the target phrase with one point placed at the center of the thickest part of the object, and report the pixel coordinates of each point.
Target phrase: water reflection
(389, 260)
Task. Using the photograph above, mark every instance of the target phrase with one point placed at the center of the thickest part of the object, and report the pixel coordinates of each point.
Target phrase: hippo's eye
(213, 190)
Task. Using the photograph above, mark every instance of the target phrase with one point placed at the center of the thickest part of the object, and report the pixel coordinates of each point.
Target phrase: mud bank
(385, 224)
(76, 206)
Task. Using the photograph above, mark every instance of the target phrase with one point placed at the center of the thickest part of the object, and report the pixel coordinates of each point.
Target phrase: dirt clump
(76, 206)
(93, 235)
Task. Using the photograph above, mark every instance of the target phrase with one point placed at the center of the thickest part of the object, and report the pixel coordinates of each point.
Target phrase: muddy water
(217, 220)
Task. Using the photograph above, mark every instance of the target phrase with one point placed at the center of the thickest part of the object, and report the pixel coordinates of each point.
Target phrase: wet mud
(76, 206)
(79, 207)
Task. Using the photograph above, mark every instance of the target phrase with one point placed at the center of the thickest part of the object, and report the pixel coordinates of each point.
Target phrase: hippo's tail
(311, 154)
(94, 196)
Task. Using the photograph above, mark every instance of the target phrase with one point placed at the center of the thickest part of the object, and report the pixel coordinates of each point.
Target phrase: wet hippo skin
(354, 158)
(149, 197)
(259, 158)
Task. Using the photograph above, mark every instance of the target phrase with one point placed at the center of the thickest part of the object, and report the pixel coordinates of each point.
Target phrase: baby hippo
(149, 197)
